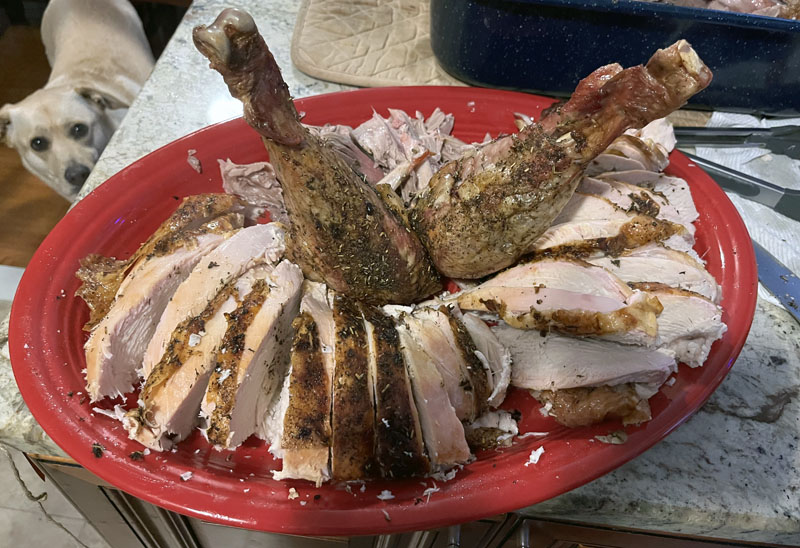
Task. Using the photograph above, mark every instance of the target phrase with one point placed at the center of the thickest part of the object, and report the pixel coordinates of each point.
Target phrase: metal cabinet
(128, 522)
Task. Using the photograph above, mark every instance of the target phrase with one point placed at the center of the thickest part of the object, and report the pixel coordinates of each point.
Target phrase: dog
(99, 58)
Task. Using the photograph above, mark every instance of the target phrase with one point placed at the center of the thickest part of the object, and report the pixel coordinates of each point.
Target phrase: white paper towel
(780, 235)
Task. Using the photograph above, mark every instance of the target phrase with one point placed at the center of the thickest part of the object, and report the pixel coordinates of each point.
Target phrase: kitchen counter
(732, 471)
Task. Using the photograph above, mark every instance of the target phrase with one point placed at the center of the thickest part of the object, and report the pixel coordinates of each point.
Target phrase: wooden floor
(29, 209)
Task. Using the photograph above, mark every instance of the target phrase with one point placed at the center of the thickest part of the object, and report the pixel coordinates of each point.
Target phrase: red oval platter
(236, 488)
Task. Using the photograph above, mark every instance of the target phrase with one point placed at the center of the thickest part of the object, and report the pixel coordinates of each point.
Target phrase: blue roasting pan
(547, 46)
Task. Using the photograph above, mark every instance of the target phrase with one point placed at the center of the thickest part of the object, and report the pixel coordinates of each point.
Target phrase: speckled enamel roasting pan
(547, 46)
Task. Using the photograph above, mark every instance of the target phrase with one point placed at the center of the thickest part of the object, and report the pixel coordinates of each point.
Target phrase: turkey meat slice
(658, 134)
(613, 207)
(248, 247)
(250, 363)
(353, 417)
(611, 236)
(635, 199)
(117, 343)
(584, 207)
(299, 424)
(689, 323)
(495, 357)
(399, 446)
(630, 147)
(568, 295)
(551, 361)
(607, 162)
(101, 276)
(442, 430)
(673, 189)
(656, 263)
(446, 342)
(169, 402)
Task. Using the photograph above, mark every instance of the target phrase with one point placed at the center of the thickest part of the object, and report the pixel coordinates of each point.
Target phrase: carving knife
(780, 140)
(782, 200)
(781, 282)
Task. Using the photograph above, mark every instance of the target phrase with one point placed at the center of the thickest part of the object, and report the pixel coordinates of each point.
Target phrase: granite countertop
(732, 471)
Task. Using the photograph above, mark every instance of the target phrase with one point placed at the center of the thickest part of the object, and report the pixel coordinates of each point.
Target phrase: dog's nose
(76, 174)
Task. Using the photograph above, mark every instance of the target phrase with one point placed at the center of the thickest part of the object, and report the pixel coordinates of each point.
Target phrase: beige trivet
(367, 43)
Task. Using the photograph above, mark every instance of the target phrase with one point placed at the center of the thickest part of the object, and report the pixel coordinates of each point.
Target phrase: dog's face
(59, 133)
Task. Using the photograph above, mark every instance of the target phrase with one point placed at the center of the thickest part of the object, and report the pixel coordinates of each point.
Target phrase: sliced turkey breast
(652, 157)
(574, 407)
(353, 420)
(689, 323)
(608, 162)
(449, 347)
(250, 363)
(611, 236)
(673, 189)
(301, 429)
(495, 357)
(645, 149)
(658, 133)
(441, 428)
(306, 432)
(636, 199)
(117, 343)
(250, 246)
(477, 371)
(588, 207)
(399, 447)
(569, 295)
(102, 276)
(551, 361)
(655, 263)
(169, 402)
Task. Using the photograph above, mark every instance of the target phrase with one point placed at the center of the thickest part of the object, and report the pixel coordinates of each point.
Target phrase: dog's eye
(78, 131)
(40, 144)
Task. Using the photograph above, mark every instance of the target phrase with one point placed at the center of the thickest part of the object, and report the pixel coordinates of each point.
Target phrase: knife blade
(779, 140)
(782, 200)
(781, 282)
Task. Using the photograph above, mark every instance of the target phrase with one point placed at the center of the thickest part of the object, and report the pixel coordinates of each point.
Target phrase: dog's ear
(103, 99)
(5, 124)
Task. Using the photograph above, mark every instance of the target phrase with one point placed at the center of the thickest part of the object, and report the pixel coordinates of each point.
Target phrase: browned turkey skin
(342, 232)
(483, 212)
(575, 407)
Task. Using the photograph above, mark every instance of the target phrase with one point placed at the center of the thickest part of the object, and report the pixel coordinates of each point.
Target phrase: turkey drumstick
(342, 232)
(485, 210)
